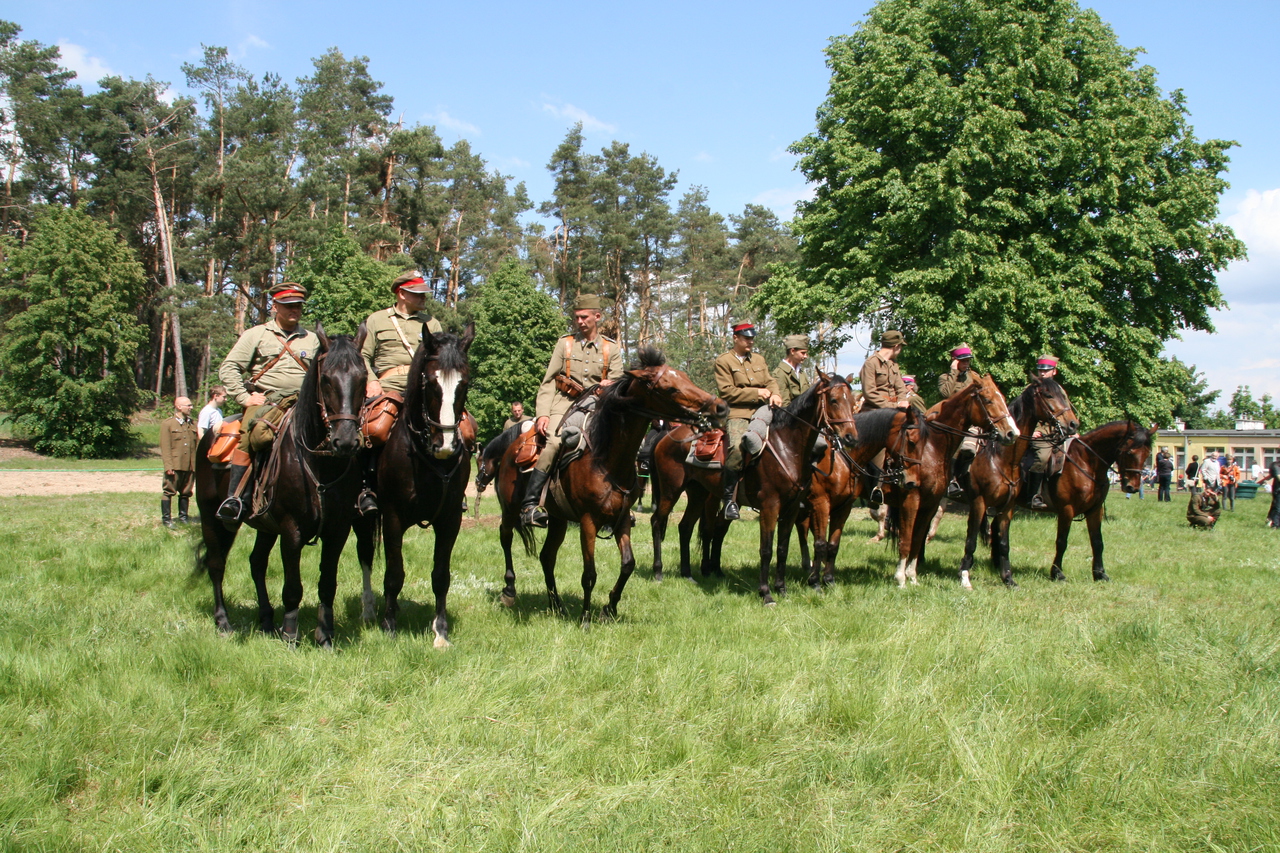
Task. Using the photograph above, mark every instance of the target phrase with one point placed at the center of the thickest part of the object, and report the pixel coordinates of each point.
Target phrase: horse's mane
(600, 428)
(873, 426)
(451, 355)
(341, 357)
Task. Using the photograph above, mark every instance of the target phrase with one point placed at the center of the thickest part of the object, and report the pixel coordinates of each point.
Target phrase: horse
(598, 488)
(1082, 485)
(993, 474)
(422, 474)
(774, 485)
(925, 456)
(307, 488)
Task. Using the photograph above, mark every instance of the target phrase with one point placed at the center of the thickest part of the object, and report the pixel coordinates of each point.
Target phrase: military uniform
(586, 362)
(178, 440)
(791, 382)
(914, 400)
(391, 338)
(510, 422)
(1203, 509)
(954, 381)
(882, 385)
(738, 383)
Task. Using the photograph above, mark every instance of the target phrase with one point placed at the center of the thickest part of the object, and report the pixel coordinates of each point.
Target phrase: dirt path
(42, 483)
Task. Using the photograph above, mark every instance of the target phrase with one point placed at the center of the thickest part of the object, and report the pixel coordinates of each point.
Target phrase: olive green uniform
(589, 363)
(178, 440)
(391, 338)
(917, 402)
(950, 383)
(791, 383)
(257, 348)
(1203, 510)
(738, 381)
(882, 385)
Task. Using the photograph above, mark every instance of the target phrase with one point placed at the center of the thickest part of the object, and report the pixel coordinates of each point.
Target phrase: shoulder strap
(604, 352)
(568, 355)
(404, 339)
(284, 348)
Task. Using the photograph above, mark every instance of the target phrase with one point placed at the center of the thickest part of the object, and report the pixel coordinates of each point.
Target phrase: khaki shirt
(737, 381)
(917, 402)
(510, 422)
(790, 383)
(882, 385)
(950, 383)
(586, 360)
(178, 441)
(385, 350)
(256, 348)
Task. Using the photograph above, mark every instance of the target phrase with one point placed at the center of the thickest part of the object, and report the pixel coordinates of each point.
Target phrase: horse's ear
(822, 376)
(361, 334)
(468, 335)
(324, 339)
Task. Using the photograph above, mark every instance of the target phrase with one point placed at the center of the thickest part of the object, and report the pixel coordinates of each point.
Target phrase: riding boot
(531, 514)
(166, 505)
(184, 504)
(729, 481)
(1034, 482)
(232, 510)
(959, 476)
(367, 501)
(875, 495)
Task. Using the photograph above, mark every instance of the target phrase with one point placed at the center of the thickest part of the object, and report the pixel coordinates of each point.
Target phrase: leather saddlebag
(378, 416)
(528, 448)
(710, 447)
(225, 441)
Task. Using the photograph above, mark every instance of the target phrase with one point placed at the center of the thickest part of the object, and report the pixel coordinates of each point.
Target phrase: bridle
(700, 421)
(1059, 430)
(824, 424)
(434, 428)
(325, 447)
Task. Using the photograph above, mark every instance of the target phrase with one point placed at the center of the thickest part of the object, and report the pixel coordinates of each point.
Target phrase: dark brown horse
(774, 485)
(1081, 487)
(993, 475)
(307, 490)
(422, 473)
(924, 455)
(597, 489)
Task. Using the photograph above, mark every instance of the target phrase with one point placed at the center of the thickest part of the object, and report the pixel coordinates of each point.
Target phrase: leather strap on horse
(284, 348)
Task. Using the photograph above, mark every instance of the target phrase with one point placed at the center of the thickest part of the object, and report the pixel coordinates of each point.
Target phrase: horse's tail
(198, 552)
(527, 537)
(891, 524)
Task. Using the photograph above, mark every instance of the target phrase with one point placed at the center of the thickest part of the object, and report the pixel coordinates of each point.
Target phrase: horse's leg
(366, 545)
(906, 517)
(768, 529)
(291, 588)
(786, 522)
(919, 537)
(817, 519)
(691, 519)
(587, 536)
(881, 517)
(258, 559)
(506, 533)
(393, 574)
(1064, 530)
(446, 530)
(658, 531)
(331, 544)
(835, 525)
(1000, 526)
(627, 566)
(977, 510)
(937, 520)
(1094, 521)
(217, 545)
(556, 529)
(808, 567)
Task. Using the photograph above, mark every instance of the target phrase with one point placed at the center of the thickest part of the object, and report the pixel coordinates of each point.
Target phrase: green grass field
(1135, 715)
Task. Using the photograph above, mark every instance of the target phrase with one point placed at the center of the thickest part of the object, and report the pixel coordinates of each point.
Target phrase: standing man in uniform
(1046, 366)
(791, 382)
(178, 440)
(265, 368)
(579, 363)
(391, 338)
(959, 378)
(744, 382)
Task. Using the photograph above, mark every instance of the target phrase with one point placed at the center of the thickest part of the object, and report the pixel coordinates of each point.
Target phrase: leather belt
(398, 370)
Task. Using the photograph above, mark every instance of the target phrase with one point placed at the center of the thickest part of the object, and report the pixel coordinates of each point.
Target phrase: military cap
(587, 302)
(796, 342)
(288, 293)
(1046, 362)
(908, 380)
(410, 281)
(962, 351)
(747, 330)
(892, 338)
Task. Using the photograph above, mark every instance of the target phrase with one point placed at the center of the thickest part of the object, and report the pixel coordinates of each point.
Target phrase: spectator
(1164, 475)
(1209, 472)
(1191, 473)
(1229, 476)
(1203, 509)
(211, 414)
(1273, 474)
(517, 416)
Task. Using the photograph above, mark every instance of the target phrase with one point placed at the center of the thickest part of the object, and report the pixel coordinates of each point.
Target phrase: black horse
(422, 473)
(307, 487)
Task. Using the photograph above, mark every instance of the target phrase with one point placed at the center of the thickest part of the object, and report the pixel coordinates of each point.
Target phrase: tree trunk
(170, 276)
(164, 329)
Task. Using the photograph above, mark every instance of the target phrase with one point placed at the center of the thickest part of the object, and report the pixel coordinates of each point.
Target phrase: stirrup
(875, 498)
(231, 511)
(533, 516)
(730, 511)
(367, 502)
(954, 491)
(1037, 502)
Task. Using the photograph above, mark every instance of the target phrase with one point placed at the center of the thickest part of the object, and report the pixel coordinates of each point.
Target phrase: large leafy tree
(1003, 173)
(66, 355)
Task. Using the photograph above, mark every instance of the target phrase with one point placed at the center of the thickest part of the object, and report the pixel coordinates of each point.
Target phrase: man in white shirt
(211, 415)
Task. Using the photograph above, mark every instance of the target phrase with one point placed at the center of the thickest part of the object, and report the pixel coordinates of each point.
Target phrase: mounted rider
(791, 381)
(391, 338)
(914, 400)
(744, 382)
(580, 363)
(263, 372)
(957, 379)
(1042, 443)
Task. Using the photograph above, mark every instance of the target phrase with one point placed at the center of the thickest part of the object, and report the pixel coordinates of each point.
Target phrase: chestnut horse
(925, 455)
(1081, 488)
(993, 475)
(311, 476)
(598, 489)
(422, 474)
(774, 485)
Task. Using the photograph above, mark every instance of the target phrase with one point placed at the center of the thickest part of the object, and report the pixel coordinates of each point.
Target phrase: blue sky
(714, 90)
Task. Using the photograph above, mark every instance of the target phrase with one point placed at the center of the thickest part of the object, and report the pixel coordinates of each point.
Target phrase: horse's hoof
(325, 643)
(388, 627)
(769, 602)
(1101, 576)
(1056, 575)
(508, 599)
(224, 628)
(1011, 584)
(290, 640)
(441, 642)
(657, 577)
(609, 613)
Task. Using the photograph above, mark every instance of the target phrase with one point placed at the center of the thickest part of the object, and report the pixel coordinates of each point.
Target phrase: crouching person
(1203, 509)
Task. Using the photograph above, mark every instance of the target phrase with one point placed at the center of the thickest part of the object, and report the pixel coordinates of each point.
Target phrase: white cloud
(457, 125)
(590, 123)
(89, 69)
(252, 41)
(782, 200)
(1256, 221)
(781, 153)
(704, 157)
